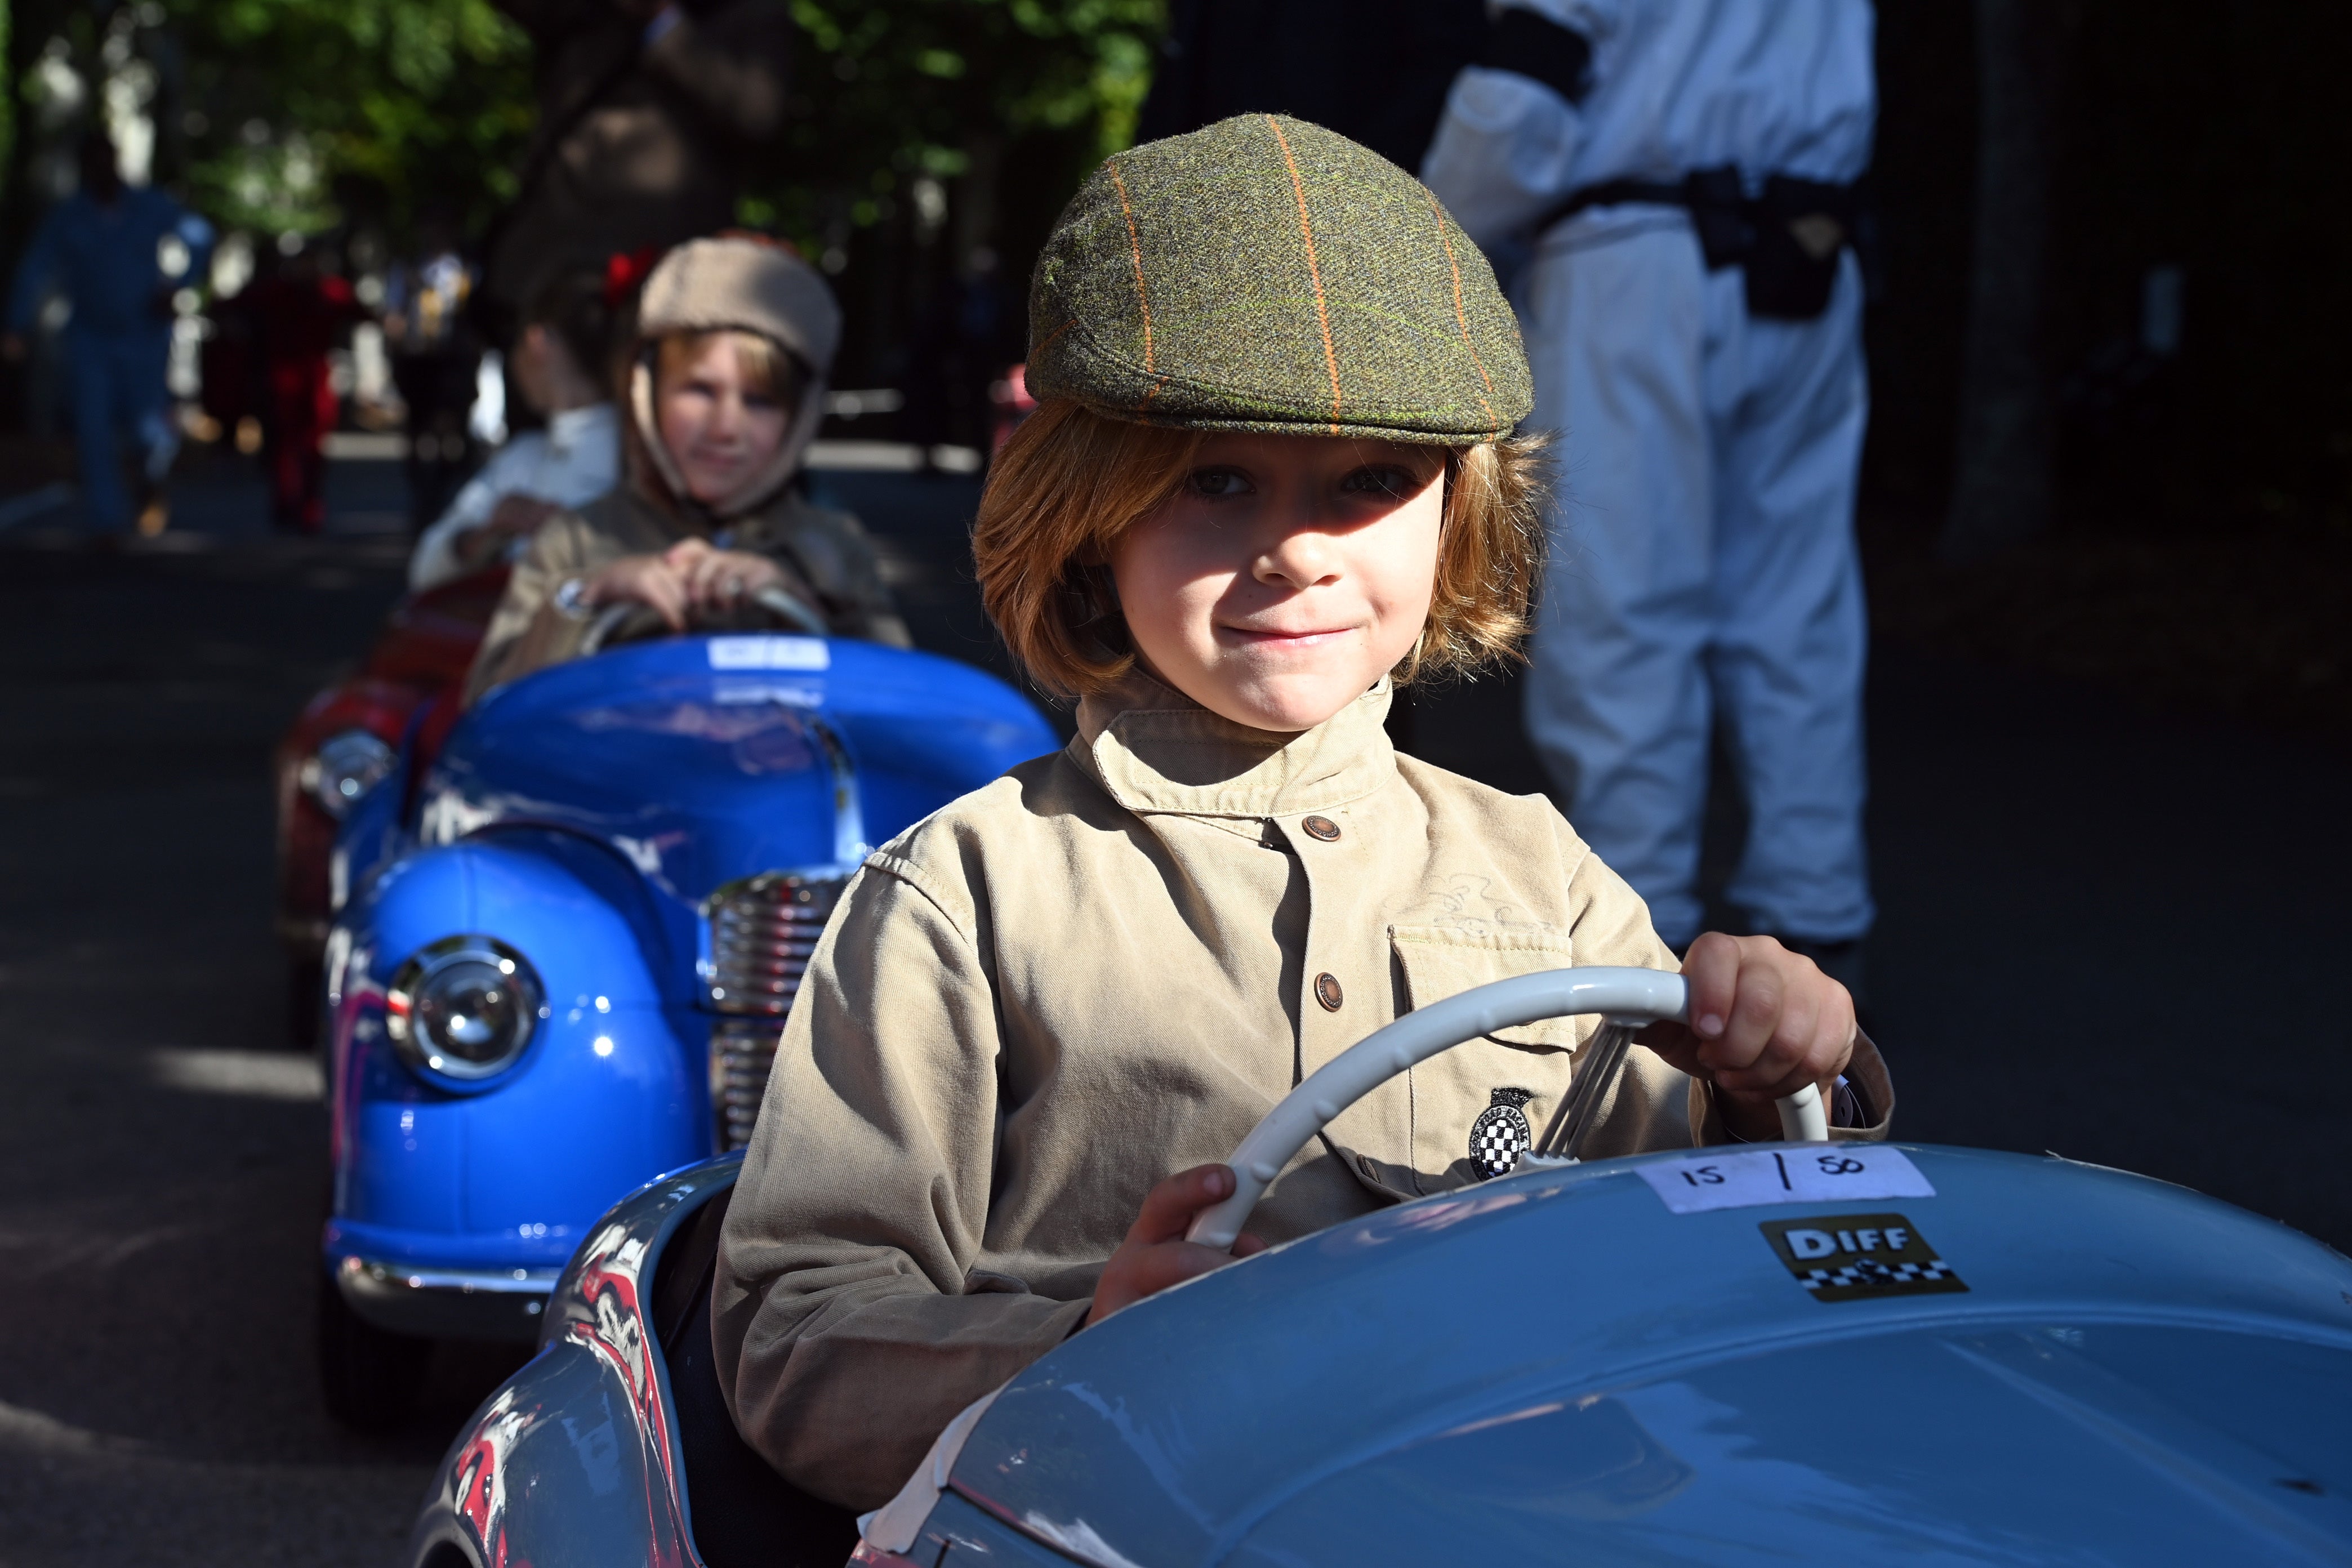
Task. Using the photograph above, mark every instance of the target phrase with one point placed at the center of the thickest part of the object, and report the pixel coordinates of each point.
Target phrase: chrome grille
(742, 1052)
(762, 932)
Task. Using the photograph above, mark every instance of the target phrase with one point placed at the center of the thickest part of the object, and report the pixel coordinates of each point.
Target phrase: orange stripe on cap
(1460, 315)
(1135, 250)
(1052, 336)
(1314, 268)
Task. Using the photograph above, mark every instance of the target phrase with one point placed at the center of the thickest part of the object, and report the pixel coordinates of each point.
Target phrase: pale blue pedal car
(1792, 1352)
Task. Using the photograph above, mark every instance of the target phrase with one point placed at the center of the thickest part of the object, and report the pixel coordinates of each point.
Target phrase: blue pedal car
(1790, 1353)
(567, 946)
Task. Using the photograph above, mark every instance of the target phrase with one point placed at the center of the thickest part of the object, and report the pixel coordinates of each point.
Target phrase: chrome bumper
(447, 1303)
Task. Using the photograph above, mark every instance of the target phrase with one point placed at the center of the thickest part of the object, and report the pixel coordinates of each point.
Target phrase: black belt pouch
(1785, 281)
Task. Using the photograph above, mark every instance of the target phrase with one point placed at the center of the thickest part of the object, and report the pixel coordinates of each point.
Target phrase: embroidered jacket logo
(1501, 1134)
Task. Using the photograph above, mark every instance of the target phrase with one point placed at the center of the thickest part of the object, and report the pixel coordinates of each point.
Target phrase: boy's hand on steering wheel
(1765, 1022)
(649, 580)
(721, 580)
(1155, 1254)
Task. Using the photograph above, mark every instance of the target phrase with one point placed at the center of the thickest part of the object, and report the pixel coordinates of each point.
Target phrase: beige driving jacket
(1103, 968)
(828, 560)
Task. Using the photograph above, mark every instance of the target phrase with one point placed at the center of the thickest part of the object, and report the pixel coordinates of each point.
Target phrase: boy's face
(537, 368)
(720, 427)
(1287, 575)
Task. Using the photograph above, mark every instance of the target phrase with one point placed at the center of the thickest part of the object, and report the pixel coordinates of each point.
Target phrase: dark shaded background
(2210, 138)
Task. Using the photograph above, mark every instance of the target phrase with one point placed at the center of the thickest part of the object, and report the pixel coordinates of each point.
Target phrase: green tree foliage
(310, 114)
(890, 90)
(296, 112)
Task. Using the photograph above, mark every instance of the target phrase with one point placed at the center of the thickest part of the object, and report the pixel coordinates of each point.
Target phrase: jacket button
(1326, 991)
(1321, 827)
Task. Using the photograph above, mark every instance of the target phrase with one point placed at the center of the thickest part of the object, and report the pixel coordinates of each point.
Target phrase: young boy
(562, 366)
(1271, 471)
(725, 385)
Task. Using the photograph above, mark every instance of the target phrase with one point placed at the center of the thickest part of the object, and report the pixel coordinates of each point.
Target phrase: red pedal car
(345, 740)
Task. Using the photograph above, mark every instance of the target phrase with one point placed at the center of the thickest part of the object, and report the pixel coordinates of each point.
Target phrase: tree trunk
(2001, 481)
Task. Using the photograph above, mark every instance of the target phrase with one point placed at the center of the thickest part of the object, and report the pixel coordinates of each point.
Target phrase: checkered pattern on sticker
(1870, 1272)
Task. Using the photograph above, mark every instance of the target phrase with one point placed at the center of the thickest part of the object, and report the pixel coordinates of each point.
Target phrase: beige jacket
(827, 555)
(1103, 968)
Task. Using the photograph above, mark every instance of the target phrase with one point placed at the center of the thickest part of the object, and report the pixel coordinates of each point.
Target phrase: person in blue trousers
(1686, 173)
(102, 248)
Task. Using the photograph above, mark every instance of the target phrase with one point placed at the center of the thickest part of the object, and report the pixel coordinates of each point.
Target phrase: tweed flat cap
(1267, 274)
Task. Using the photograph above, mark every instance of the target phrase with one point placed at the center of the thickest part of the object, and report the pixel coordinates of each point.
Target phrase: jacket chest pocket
(1477, 1107)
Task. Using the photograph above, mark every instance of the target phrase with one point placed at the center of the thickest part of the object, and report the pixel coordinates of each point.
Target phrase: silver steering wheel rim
(1632, 997)
(786, 608)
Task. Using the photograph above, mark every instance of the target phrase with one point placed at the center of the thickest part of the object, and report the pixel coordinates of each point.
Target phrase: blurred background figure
(649, 115)
(1683, 170)
(103, 249)
(435, 360)
(562, 363)
(294, 313)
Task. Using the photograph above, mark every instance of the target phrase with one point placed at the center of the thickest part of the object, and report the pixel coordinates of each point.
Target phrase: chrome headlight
(345, 766)
(464, 1009)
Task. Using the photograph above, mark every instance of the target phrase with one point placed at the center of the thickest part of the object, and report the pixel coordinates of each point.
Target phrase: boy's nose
(1301, 557)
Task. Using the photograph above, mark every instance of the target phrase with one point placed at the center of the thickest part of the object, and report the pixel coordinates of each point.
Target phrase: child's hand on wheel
(1765, 1022)
(1155, 1254)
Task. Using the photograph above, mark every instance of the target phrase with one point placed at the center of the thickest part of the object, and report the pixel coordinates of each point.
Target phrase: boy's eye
(1383, 480)
(1218, 484)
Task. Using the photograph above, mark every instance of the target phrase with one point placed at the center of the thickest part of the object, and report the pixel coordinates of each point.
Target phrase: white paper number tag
(769, 653)
(1811, 1173)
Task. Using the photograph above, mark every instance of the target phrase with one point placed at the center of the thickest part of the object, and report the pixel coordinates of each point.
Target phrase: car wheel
(370, 1376)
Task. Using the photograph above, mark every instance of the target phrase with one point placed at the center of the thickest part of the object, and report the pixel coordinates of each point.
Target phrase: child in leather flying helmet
(721, 389)
(1272, 475)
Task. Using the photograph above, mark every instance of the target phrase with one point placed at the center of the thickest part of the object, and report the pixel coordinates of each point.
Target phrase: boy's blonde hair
(1071, 482)
(767, 365)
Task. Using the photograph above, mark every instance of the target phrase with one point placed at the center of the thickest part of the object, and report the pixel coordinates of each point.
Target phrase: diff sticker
(1859, 1258)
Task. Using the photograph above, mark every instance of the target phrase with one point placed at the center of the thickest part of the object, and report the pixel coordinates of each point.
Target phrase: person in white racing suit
(1682, 170)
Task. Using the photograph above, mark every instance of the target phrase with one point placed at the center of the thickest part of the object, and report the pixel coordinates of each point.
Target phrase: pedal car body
(349, 736)
(1775, 1354)
(570, 944)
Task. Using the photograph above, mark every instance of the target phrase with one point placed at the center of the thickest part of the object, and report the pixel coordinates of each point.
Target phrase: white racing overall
(1703, 559)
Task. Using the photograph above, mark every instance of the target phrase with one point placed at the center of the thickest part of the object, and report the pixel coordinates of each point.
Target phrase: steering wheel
(1628, 999)
(629, 621)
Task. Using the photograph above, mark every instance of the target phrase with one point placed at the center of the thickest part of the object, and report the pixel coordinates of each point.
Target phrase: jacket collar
(1155, 750)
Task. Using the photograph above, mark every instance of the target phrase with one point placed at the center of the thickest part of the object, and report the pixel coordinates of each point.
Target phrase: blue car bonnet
(1554, 1367)
(702, 759)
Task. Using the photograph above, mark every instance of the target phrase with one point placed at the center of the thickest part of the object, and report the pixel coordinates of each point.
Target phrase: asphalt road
(2114, 935)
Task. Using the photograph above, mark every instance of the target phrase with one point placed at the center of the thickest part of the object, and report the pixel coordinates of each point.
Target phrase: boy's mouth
(1285, 640)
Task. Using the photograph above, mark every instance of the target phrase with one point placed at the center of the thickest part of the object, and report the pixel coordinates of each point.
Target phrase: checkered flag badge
(1501, 1134)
